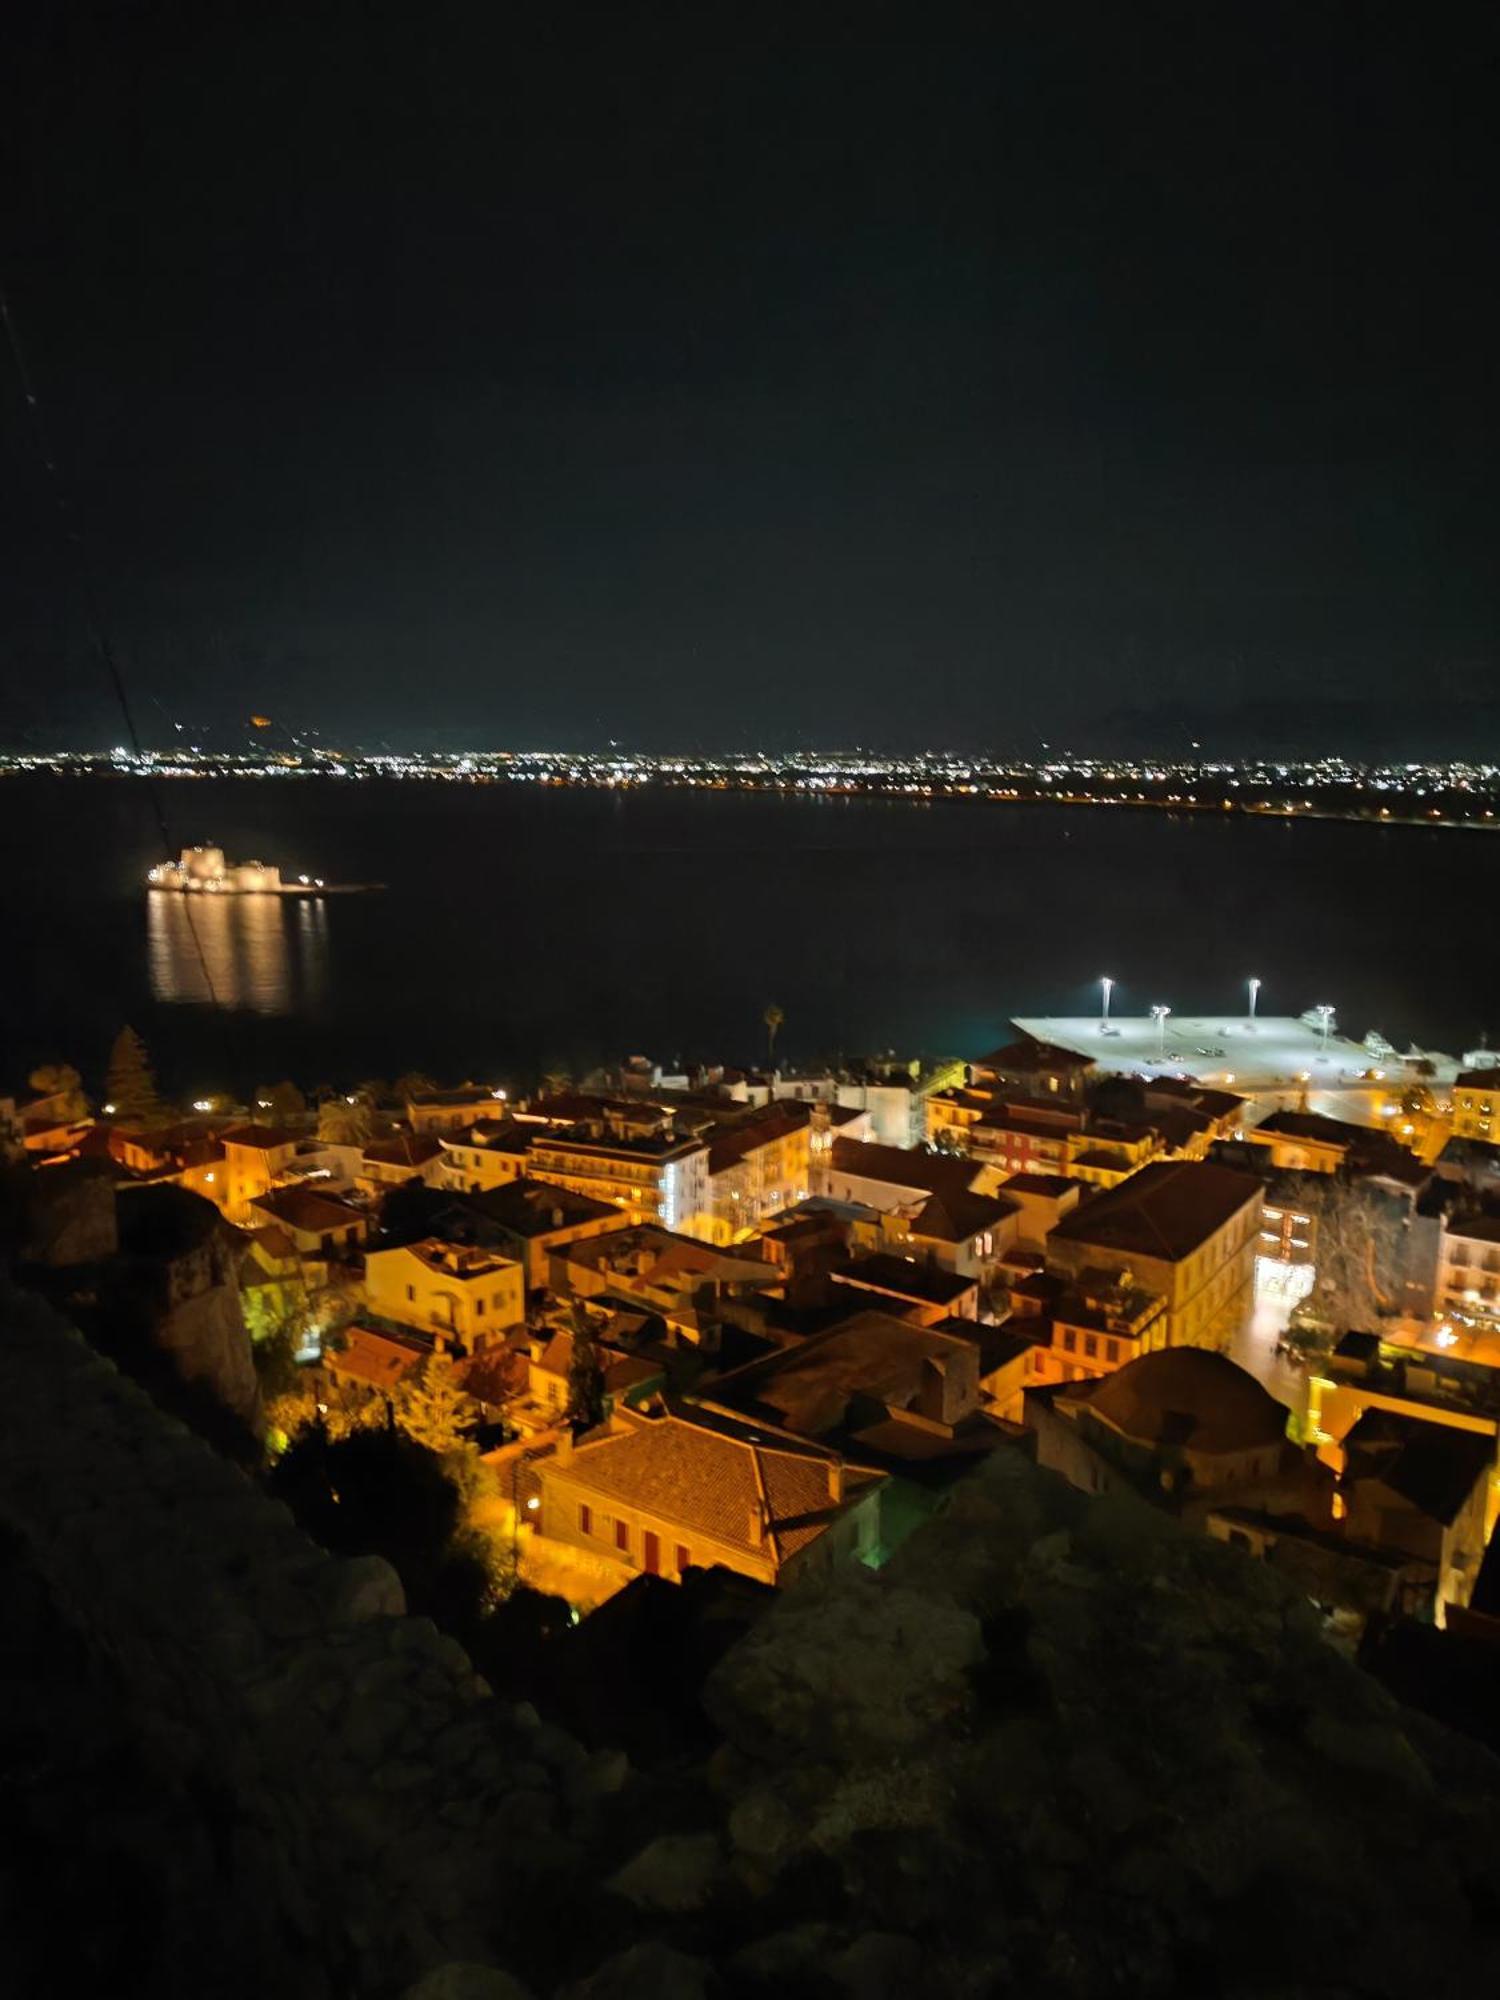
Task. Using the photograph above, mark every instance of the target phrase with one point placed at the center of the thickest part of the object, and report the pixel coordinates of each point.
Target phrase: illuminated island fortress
(205, 869)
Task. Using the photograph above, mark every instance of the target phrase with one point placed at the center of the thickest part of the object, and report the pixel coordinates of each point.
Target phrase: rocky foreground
(1058, 1747)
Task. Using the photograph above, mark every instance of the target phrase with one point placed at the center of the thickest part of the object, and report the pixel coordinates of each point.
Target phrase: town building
(1183, 1427)
(440, 1111)
(400, 1160)
(1425, 1491)
(486, 1155)
(1102, 1321)
(460, 1296)
(921, 1291)
(525, 1219)
(652, 1175)
(257, 1158)
(1029, 1067)
(757, 1170)
(317, 1224)
(1468, 1279)
(1185, 1230)
(692, 1488)
(1476, 1105)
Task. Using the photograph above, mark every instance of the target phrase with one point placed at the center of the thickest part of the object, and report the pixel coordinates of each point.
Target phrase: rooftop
(1167, 1210)
(906, 1279)
(530, 1208)
(712, 1474)
(1434, 1467)
(811, 1387)
(1189, 1397)
(303, 1208)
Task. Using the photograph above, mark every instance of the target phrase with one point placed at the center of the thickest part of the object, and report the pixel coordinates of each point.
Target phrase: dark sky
(718, 375)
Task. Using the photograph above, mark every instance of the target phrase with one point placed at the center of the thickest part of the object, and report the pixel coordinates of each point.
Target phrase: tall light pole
(1325, 1021)
(1159, 1016)
(1253, 986)
(1106, 986)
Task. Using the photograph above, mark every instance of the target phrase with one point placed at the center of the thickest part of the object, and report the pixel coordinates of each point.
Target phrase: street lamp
(1106, 986)
(1159, 1016)
(1325, 1022)
(1253, 986)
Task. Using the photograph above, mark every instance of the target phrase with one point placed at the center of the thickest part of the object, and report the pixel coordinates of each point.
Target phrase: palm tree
(773, 1018)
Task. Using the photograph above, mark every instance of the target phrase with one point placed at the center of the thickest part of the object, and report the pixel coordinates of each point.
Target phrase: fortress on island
(205, 869)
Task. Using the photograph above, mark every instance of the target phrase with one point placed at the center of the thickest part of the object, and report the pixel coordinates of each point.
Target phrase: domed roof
(1192, 1397)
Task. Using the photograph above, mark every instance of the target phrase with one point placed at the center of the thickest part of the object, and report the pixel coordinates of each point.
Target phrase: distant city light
(203, 1104)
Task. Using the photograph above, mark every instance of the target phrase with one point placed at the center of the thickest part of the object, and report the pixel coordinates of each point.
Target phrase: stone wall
(345, 1756)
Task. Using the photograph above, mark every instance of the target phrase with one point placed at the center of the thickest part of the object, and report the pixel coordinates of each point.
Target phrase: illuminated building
(652, 1176)
(257, 1158)
(1468, 1280)
(408, 1156)
(1476, 1105)
(758, 1169)
(456, 1293)
(484, 1155)
(1186, 1231)
(440, 1111)
(693, 1488)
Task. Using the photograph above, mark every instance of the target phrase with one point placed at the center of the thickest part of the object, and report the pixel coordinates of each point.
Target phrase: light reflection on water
(259, 953)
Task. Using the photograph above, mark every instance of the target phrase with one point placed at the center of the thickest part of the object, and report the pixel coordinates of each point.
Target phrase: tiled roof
(778, 1123)
(1167, 1210)
(305, 1208)
(1026, 1056)
(874, 1355)
(901, 1277)
(1192, 1397)
(407, 1149)
(374, 1358)
(524, 1207)
(260, 1138)
(902, 1166)
(953, 1215)
(1432, 1466)
(712, 1474)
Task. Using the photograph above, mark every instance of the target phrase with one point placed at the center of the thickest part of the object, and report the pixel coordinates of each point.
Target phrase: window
(1111, 1350)
(683, 1558)
(1090, 1344)
(1070, 1342)
(479, 1309)
(585, 1518)
(411, 1291)
(622, 1535)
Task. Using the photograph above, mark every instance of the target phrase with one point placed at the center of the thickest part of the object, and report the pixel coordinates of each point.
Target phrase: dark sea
(521, 931)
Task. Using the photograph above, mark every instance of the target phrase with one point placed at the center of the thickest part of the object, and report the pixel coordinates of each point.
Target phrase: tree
(129, 1084)
(585, 1375)
(773, 1018)
(283, 1102)
(62, 1081)
(1359, 1248)
(341, 1123)
(434, 1409)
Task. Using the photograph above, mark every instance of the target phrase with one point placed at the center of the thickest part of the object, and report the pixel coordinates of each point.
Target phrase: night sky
(720, 376)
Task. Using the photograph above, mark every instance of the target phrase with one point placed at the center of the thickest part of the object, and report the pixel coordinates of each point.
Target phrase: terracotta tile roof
(712, 1474)
(1027, 1056)
(1192, 1397)
(1167, 1210)
(898, 1275)
(902, 1166)
(376, 1359)
(260, 1138)
(407, 1149)
(307, 1209)
(777, 1124)
(953, 1215)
